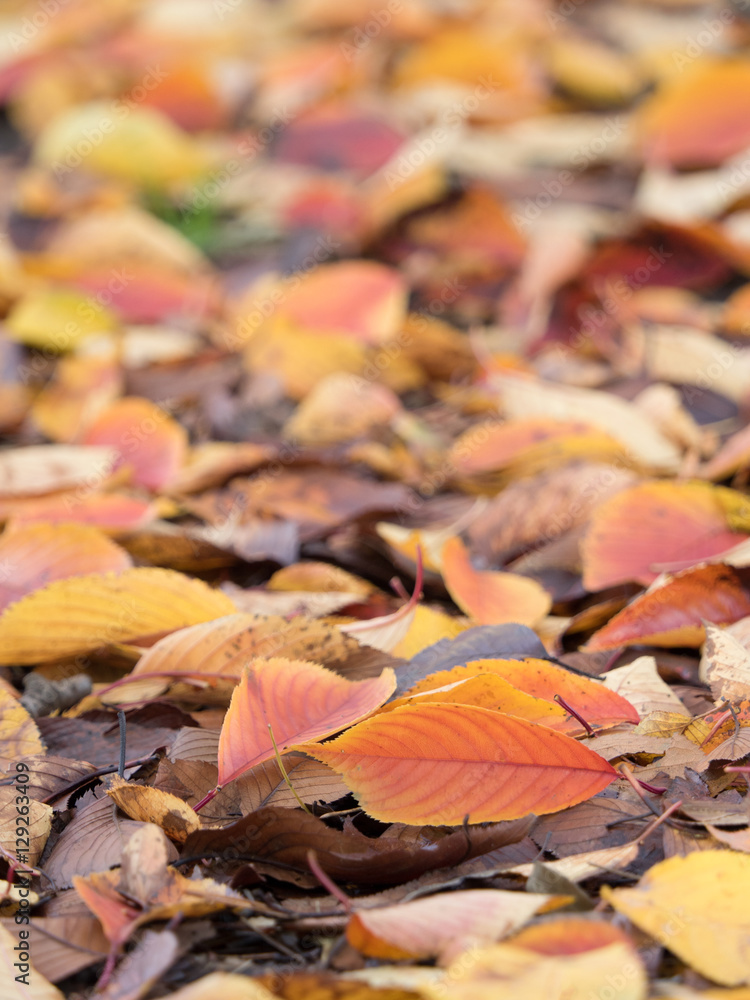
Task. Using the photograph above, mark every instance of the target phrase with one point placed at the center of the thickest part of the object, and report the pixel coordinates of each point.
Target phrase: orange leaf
(467, 686)
(411, 930)
(569, 936)
(700, 116)
(357, 298)
(491, 598)
(33, 555)
(300, 701)
(443, 763)
(117, 917)
(653, 527)
(590, 698)
(149, 441)
(672, 614)
(491, 447)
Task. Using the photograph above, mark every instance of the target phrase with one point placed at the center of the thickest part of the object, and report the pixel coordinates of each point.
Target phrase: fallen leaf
(639, 434)
(153, 806)
(725, 666)
(22, 831)
(19, 735)
(672, 613)
(654, 527)
(639, 682)
(597, 704)
(84, 612)
(32, 555)
(44, 468)
(150, 443)
(695, 907)
(165, 154)
(681, 123)
(289, 701)
(93, 841)
(33, 985)
(506, 767)
(285, 836)
(410, 930)
(491, 598)
(505, 971)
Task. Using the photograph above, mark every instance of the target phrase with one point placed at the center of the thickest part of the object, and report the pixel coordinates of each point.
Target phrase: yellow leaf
(152, 805)
(697, 907)
(19, 736)
(142, 146)
(57, 319)
(506, 972)
(85, 612)
(428, 627)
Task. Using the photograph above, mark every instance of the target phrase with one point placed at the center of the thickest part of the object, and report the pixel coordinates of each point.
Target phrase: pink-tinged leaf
(652, 527)
(150, 442)
(33, 555)
(300, 701)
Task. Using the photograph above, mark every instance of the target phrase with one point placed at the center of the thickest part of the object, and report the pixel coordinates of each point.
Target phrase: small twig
(571, 711)
(123, 741)
(657, 822)
(627, 773)
(628, 819)
(327, 883)
(98, 773)
(109, 968)
(284, 775)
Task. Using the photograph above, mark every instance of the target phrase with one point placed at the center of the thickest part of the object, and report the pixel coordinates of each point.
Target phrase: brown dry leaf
(283, 835)
(93, 841)
(535, 510)
(62, 946)
(725, 666)
(680, 753)
(33, 986)
(82, 613)
(639, 682)
(738, 840)
(342, 408)
(579, 867)
(150, 805)
(48, 775)
(143, 873)
(225, 645)
(24, 827)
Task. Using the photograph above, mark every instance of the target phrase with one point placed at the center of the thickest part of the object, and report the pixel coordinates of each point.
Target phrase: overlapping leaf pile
(375, 552)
